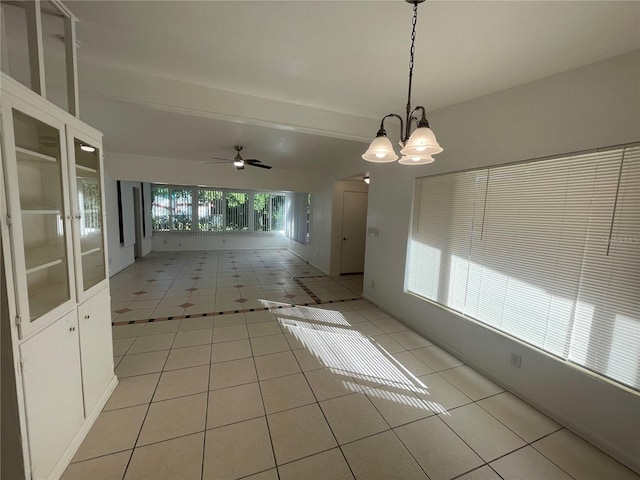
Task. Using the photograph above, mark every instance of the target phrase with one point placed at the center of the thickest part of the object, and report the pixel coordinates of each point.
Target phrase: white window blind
(545, 251)
(298, 206)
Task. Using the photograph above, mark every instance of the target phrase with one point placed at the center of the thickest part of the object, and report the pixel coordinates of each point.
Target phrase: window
(215, 210)
(160, 208)
(544, 251)
(237, 212)
(181, 209)
(268, 211)
(210, 209)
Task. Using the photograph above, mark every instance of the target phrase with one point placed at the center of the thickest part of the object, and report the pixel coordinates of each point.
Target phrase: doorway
(354, 231)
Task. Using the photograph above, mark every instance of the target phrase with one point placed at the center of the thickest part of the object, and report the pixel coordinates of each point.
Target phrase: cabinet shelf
(43, 211)
(42, 257)
(37, 268)
(24, 154)
(86, 169)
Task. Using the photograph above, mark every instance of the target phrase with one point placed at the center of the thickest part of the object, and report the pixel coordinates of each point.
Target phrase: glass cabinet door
(87, 210)
(40, 193)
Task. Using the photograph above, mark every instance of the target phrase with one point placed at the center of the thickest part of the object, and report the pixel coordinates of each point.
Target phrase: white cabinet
(94, 318)
(57, 284)
(52, 383)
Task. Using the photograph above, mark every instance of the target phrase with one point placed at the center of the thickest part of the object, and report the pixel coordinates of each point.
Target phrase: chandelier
(418, 147)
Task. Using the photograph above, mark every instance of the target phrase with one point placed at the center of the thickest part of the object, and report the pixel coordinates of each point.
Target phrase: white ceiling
(296, 70)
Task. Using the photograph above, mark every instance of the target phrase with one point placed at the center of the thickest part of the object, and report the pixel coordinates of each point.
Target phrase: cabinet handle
(78, 216)
(69, 217)
(86, 317)
(72, 329)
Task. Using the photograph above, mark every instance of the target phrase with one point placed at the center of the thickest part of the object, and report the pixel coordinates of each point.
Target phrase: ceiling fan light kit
(240, 162)
(418, 147)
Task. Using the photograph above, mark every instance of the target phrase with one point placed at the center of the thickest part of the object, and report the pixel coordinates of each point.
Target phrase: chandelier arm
(382, 130)
(422, 122)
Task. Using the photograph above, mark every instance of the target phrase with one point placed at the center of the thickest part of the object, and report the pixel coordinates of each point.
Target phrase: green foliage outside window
(207, 209)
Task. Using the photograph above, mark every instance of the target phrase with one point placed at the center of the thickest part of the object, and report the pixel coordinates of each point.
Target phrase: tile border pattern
(298, 280)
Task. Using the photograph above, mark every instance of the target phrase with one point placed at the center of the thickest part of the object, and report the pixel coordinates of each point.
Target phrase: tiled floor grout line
(264, 409)
(323, 415)
(206, 413)
(155, 389)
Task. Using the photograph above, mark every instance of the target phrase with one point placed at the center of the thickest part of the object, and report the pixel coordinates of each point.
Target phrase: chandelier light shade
(421, 142)
(418, 147)
(416, 160)
(380, 151)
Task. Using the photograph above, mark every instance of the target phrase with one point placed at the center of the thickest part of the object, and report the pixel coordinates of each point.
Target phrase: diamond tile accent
(238, 286)
(279, 283)
(122, 310)
(242, 300)
(236, 276)
(191, 289)
(186, 305)
(196, 278)
(159, 271)
(289, 296)
(141, 292)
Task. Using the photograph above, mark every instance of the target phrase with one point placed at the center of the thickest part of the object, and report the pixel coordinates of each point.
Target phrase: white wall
(300, 249)
(167, 242)
(123, 255)
(182, 172)
(319, 248)
(593, 106)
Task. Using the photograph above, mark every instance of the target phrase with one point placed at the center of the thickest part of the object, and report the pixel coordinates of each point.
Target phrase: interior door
(354, 231)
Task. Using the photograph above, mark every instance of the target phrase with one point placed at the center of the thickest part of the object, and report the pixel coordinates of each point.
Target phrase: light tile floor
(327, 391)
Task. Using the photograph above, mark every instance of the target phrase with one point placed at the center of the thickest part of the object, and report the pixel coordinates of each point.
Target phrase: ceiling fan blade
(221, 158)
(260, 165)
(219, 162)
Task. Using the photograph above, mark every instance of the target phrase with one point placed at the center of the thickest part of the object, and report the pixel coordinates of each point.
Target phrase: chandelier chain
(413, 37)
(411, 55)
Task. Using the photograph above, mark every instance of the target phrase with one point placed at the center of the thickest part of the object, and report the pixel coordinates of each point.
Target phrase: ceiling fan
(240, 162)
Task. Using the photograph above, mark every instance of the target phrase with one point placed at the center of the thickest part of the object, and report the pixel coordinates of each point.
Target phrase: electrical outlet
(373, 284)
(516, 360)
